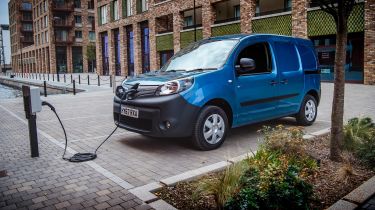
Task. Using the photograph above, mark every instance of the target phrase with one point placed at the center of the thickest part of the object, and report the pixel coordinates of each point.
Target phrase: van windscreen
(205, 54)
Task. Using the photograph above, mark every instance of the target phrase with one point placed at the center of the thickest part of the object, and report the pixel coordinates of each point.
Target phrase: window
(46, 20)
(26, 6)
(78, 34)
(129, 5)
(287, 58)
(90, 4)
(45, 5)
(103, 14)
(78, 19)
(47, 37)
(260, 53)
(27, 27)
(188, 21)
(237, 14)
(77, 4)
(307, 53)
(115, 13)
(92, 35)
(144, 5)
(91, 20)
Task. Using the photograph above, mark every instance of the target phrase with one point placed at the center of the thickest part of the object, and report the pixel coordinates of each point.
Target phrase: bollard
(79, 79)
(98, 80)
(110, 80)
(53, 77)
(88, 79)
(45, 88)
(71, 78)
(64, 78)
(48, 76)
(58, 77)
(74, 87)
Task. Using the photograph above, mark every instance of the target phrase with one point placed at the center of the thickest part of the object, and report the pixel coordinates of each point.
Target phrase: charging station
(32, 105)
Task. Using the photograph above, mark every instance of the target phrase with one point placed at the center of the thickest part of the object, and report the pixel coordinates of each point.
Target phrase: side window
(260, 53)
(308, 57)
(287, 58)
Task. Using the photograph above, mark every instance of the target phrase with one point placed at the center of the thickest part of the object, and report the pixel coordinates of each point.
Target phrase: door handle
(284, 81)
(273, 82)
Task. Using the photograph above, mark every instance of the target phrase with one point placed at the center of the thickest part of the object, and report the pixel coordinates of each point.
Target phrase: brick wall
(369, 55)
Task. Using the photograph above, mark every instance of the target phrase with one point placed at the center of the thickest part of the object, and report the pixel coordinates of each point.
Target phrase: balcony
(26, 29)
(64, 41)
(26, 19)
(286, 9)
(63, 23)
(227, 20)
(25, 8)
(63, 7)
(27, 39)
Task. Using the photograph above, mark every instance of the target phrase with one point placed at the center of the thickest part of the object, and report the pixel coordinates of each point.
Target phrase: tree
(91, 55)
(340, 11)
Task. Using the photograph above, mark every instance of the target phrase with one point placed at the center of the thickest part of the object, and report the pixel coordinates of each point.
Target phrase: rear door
(290, 78)
(255, 91)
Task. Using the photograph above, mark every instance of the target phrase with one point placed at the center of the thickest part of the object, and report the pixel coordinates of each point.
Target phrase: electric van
(220, 83)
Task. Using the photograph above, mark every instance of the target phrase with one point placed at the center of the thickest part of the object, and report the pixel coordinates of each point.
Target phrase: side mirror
(246, 66)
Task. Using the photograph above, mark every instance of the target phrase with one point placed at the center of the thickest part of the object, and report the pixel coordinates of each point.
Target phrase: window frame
(271, 60)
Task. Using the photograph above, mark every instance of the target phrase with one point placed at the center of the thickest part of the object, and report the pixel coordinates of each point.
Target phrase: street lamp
(21, 37)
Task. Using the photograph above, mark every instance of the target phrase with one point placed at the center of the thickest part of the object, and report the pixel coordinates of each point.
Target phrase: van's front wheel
(308, 111)
(210, 129)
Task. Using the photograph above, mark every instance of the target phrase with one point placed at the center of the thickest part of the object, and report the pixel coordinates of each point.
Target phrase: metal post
(74, 87)
(53, 77)
(58, 77)
(71, 78)
(48, 76)
(98, 80)
(88, 79)
(31, 117)
(64, 78)
(110, 80)
(45, 88)
(79, 79)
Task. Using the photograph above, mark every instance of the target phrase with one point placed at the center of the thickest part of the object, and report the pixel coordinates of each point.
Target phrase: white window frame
(103, 14)
(129, 5)
(116, 14)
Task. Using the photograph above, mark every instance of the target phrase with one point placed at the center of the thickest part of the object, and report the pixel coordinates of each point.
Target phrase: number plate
(127, 111)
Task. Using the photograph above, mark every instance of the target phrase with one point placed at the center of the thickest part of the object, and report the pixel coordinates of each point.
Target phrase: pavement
(127, 160)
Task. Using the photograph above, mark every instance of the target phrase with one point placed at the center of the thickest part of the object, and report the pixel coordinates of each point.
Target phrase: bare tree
(340, 11)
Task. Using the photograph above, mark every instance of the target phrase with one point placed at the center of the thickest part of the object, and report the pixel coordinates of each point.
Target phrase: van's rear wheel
(308, 111)
(210, 129)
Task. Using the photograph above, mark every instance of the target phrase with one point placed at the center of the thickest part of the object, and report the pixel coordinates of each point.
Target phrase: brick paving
(48, 182)
(127, 160)
(369, 205)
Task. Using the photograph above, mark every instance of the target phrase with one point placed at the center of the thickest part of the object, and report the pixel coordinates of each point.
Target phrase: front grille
(136, 123)
(144, 91)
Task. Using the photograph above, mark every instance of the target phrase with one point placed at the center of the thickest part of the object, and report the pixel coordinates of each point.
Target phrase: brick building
(51, 36)
(135, 36)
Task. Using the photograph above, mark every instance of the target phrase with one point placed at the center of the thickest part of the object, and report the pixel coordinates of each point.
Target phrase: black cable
(82, 157)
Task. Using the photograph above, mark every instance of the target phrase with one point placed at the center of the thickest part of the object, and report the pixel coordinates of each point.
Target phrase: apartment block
(52, 36)
(137, 36)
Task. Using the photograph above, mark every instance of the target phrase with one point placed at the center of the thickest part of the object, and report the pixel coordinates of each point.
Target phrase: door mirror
(246, 66)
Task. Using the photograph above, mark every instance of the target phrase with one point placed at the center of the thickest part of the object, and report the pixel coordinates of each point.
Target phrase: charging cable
(82, 157)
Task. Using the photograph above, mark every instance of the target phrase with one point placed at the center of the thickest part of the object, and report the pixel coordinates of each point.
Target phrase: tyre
(210, 128)
(308, 111)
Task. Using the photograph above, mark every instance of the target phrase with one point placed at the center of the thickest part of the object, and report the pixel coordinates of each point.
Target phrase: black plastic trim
(265, 100)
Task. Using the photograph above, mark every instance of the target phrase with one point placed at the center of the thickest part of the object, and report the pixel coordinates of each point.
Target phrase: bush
(274, 181)
(277, 172)
(359, 138)
(222, 187)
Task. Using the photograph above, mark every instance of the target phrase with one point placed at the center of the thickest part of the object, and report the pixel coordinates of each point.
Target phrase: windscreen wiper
(201, 69)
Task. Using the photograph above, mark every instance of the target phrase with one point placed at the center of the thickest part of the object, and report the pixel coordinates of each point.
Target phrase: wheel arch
(314, 94)
(223, 104)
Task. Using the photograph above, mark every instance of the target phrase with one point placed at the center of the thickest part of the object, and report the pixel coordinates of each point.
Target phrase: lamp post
(21, 37)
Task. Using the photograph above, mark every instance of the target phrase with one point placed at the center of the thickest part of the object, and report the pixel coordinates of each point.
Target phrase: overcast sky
(4, 19)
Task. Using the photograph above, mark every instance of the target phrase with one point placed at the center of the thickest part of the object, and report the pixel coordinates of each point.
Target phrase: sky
(4, 19)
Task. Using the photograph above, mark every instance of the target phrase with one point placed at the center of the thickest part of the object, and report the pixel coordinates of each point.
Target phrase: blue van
(222, 82)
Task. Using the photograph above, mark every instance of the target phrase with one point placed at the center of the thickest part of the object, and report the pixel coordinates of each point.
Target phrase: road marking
(92, 164)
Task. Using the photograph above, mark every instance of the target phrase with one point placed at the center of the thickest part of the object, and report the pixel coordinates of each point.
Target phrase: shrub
(286, 140)
(359, 138)
(222, 187)
(273, 181)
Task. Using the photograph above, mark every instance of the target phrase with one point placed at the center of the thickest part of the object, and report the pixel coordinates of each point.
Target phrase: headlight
(175, 86)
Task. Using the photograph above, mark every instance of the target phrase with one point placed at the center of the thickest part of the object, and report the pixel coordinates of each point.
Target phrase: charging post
(32, 104)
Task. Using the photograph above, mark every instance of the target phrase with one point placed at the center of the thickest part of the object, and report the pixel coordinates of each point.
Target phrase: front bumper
(155, 112)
